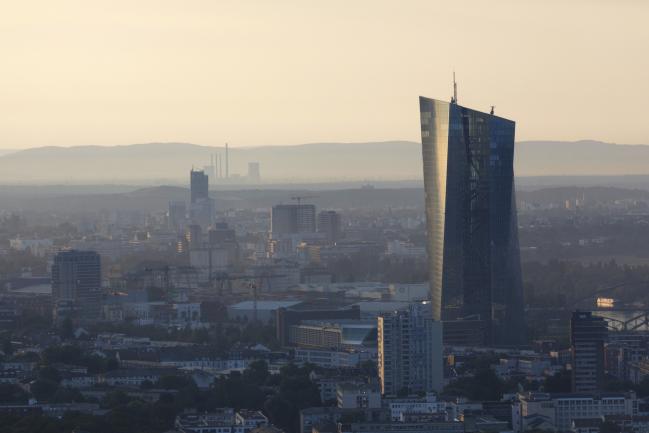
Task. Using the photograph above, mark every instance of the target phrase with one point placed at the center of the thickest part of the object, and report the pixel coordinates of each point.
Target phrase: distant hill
(157, 163)
(63, 200)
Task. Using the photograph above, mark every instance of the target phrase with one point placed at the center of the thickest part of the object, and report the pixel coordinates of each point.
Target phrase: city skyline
(113, 73)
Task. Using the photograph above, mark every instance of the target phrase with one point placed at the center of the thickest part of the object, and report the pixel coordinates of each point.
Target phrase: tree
(257, 372)
(280, 412)
(560, 382)
(43, 389)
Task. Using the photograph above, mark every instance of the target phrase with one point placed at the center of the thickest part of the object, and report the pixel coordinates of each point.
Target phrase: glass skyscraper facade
(473, 250)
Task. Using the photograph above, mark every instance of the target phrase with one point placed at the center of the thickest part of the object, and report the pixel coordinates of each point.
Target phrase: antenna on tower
(454, 99)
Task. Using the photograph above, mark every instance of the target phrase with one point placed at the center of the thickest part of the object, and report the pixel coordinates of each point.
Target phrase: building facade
(289, 219)
(588, 335)
(473, 249)
(200, 206)
(329, 225)
(410, 350)
(76, 281)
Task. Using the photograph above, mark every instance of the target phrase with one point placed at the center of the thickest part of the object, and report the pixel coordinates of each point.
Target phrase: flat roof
(263, 305)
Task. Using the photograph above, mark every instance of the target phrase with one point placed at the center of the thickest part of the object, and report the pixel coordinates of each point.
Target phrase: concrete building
(76, 282)
(265, 310)
(397, 407)
(177, 215)
(410, 351)
(36, 247)
(588, 335)
(560, 410)
(358, 396)
(200, 206)
(329, 225)
(334, 358)
(289, 219)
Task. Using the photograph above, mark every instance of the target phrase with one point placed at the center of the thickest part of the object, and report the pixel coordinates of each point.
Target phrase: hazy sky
(287, 72)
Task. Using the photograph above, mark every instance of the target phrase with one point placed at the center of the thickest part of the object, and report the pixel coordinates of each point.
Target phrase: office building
(254, 174)
(410, 350)
(588, 335)
(199, 185)
(176, 215)
(76, 282)
(200, 207)
(558, 411)
(358, 396)
(289, 219)
(473, 249)
(339, 334)
(329, 224)
(287, 317)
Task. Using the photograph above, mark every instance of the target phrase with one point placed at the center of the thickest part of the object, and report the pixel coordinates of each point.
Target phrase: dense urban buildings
(471, 219)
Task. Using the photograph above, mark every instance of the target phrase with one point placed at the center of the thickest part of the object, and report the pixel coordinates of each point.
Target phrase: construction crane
(299, 198)
(255, 282)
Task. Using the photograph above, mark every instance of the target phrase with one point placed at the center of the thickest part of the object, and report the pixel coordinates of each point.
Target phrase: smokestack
(227, 162)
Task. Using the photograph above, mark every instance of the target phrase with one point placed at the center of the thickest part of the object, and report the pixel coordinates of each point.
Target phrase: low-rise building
(358, 396)
(562, 409)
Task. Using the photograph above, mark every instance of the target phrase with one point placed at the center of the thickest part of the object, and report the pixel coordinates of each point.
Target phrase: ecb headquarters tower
(474, 261)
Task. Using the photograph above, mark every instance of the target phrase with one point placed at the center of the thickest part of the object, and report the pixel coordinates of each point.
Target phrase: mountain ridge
(159, 162)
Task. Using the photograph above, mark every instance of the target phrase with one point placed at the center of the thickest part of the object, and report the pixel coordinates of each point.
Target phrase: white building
(562, 409)
(36, 247)
(397, 407)
(333, 358)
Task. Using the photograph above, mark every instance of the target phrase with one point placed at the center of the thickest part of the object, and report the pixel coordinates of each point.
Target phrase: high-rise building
(410, 350)
(293, 219)
(473, 249)
(177, 215)
(199, 185)
(200, 207)
(76, 279)
(254, 174)
(588, 335)
(329, 224)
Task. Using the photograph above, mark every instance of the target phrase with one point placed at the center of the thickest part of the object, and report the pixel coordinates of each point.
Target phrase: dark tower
(588, 335)
(199, 186)
(474, 261)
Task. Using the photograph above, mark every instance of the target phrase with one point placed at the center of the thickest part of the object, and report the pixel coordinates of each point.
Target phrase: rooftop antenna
(492, 110)
(454, 100)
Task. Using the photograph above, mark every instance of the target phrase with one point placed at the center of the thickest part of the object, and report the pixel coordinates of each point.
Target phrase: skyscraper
(329, 224)
(473, 250)
(410, 350)
(588, 334)
(76, 279)
(199, 185)
(200, 207)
